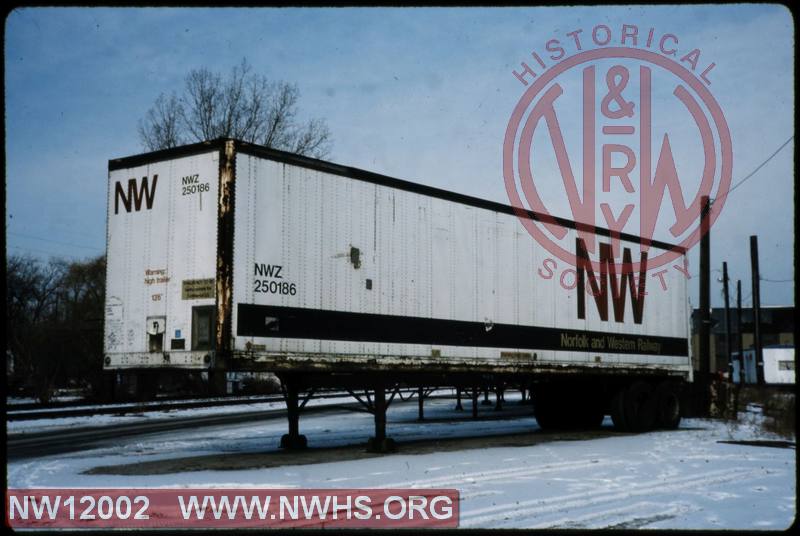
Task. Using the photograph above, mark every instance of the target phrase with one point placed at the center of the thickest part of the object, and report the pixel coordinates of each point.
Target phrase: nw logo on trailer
(132, 199)
(618, 288)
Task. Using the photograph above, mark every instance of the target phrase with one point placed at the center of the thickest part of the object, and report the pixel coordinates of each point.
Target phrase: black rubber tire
(618, 411)
(668, 406)
(571, 417)
(591, 417)
(545, 409)
(640, 407)
(561, 410)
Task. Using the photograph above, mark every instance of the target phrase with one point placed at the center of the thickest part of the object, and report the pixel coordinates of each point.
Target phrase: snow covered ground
(15, 401)
(148, 413)
(12, 401)
(682, 479)
(43, 425)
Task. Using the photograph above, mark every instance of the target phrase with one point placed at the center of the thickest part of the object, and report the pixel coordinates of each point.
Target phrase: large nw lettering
(608, 276)
(132, 199)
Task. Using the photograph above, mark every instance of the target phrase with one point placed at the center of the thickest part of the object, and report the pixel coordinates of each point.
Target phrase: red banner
(231, 508)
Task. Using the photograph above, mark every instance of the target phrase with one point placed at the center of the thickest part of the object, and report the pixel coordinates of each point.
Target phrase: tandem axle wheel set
(637, 405)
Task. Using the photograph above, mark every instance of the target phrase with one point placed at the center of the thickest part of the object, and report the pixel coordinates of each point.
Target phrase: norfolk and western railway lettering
(135, 195)
(609, 343)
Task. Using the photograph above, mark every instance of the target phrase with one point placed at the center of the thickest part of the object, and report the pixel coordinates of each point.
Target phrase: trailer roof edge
(375, 178)
(165, 154)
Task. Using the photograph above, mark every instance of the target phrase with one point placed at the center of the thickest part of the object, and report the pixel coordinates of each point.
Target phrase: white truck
(225, 255)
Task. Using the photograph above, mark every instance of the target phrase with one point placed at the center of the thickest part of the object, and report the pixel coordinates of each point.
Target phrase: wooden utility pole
(756, 282)
(727, 321)
(704, 345)
(739, 334)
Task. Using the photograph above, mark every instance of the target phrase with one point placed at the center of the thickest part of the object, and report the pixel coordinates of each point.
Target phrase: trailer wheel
(618, 411)
(548, 417)
(591, 417)
(640, 407)
(549, 410)
(668, 410)
(561, 410)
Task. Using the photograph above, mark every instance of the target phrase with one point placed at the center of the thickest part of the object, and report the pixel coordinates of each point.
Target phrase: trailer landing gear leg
(293, 440)
(459, 407)
(107, 386)
(499, 402)
(380, 443)
(217, 382)
(486, 401)
(421, 397)
(474, 402)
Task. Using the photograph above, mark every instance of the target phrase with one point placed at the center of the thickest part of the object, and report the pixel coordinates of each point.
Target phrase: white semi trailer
(225, 255)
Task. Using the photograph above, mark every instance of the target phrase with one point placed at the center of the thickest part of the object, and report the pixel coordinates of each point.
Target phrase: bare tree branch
(243, 105)
(280, 115)
(160, 129)
(201, 103)
(54, 322)
(313, 139)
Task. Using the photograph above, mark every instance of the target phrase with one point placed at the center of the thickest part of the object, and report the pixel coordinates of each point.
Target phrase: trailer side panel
(330, 270)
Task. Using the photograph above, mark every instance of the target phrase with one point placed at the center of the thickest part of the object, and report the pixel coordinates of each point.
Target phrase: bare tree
(32, 290)
(54, 323)
(161, 127)
(244, 105)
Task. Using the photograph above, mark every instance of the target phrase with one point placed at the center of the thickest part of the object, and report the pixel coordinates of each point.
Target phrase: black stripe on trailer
(166, 154)
(376, 178)
(301, 323)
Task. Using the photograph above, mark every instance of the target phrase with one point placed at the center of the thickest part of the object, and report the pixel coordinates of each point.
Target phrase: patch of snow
(681, 479)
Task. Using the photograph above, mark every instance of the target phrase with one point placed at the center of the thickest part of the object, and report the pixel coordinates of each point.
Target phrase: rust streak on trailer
(224, 281)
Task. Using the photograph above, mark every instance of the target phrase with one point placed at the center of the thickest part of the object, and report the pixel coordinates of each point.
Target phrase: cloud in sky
(421, 94)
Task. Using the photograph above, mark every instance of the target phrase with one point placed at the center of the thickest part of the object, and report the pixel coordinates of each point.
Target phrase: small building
(777, 330)
(779, 366)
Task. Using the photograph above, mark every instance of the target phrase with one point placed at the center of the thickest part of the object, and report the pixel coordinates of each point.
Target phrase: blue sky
(421, 94)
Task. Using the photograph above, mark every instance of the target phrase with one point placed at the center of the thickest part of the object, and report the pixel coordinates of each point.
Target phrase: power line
(43, 252)
(692, 276)
(22, 235)
(762, 164)
(777, 280)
